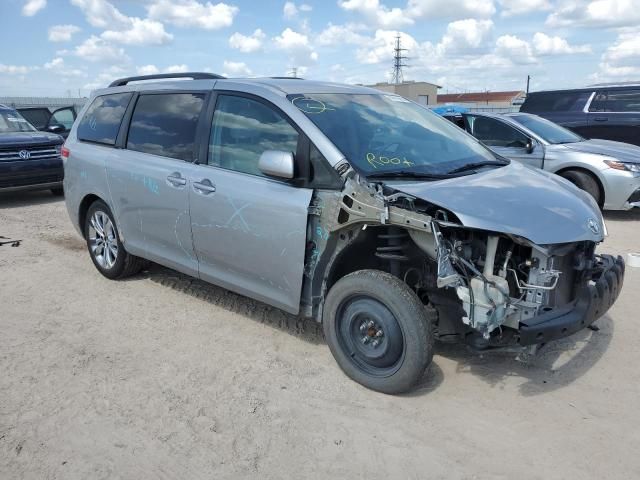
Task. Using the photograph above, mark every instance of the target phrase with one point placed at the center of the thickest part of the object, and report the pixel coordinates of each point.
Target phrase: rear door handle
(176, 180)
(205, 187)
(601, 119)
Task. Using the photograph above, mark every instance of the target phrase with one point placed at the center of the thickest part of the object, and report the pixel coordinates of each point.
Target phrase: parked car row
(359, 209)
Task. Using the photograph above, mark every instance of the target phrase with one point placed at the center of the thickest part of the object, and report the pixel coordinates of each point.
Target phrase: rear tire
(58, 191)
(584, 181)
(378, 331)
(103, 242)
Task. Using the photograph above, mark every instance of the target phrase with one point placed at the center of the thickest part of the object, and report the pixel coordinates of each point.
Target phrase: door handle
(205, 187)
(601, 119)
(176, 180)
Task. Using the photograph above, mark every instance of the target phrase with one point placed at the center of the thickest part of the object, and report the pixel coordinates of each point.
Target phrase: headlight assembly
(628, 166)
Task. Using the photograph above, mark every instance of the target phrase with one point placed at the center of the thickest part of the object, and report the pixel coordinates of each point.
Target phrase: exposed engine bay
(484, 285)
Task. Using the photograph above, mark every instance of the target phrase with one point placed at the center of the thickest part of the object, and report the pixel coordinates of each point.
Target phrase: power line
(398, 57)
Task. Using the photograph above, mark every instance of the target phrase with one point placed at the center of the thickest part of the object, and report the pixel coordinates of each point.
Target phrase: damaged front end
(490, 288)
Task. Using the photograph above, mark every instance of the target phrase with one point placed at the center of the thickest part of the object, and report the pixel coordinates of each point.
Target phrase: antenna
(398, 57)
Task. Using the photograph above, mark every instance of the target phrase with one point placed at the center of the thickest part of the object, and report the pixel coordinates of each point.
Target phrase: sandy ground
(162, 376)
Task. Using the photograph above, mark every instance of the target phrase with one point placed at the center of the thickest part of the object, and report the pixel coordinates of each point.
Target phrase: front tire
(103, 242)
(378, 331)
(584, 181)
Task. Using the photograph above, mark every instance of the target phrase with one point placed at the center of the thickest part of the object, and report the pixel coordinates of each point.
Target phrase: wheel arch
(589, 172)
(86, 202)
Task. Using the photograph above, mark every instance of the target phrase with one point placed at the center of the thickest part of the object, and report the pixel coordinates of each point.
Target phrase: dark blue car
(29, 159)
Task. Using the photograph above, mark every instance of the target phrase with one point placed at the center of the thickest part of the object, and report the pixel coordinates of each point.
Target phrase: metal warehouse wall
(43, 101)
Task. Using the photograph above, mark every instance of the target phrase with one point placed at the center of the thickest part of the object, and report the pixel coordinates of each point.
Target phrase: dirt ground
(163, 376)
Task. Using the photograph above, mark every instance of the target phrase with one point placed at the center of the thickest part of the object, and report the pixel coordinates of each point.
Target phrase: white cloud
(466, 36)
(236, 69)
(62, 33)
(450, 8)
(141, 32)
(621, 60)
(95, 49)
(102, 14)
(147, 70)
(247, 43)
(341, 34)
(15, 69)
(176, 69)
(297, 45)
(191, 13)
(58, 66)
(546, 45)
(596, 13)
(56, 63)
(515, 49)
(291, 10)
(520, 7)
(31, 7)
(377, 13)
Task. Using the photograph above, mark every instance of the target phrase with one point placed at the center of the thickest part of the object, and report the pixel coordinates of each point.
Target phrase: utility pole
(528, 79)
(398, 57)
(293, 72)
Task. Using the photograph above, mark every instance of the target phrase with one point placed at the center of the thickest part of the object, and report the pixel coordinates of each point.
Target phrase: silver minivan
(359, 209)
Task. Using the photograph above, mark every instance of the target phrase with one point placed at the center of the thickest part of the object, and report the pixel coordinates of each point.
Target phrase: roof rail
(159, 76)
(287, 78)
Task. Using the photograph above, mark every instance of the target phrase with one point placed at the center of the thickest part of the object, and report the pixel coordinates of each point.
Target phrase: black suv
(29, 159)
(611, 112)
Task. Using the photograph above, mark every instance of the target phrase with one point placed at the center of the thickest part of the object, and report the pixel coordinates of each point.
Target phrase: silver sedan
(609, 171)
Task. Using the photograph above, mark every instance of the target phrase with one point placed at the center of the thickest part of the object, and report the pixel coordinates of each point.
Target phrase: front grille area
(38, 152)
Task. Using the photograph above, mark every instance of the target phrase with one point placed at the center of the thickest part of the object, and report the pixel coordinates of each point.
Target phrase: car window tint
(556, 102)
(101, 121)
(38, 117)
(62, 117)
(616, 101)
(495, 133)
(242, 129)
(165, 124)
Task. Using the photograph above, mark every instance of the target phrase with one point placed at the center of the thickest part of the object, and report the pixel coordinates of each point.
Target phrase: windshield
(548, 131)
(387, 133)
(11, 121)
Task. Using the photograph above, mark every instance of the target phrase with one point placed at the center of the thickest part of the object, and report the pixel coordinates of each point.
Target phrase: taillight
(64, 152)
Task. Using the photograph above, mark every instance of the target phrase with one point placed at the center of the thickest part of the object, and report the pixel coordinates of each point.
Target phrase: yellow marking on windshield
(380, 160)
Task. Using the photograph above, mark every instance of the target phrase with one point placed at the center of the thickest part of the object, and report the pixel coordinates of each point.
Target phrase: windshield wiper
(473, 166)
(408, 174)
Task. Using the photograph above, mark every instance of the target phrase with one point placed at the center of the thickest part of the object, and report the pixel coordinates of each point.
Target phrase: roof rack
(287, 78)
(159, 76)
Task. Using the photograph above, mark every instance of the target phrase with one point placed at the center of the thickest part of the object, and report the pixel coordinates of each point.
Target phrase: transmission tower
(293, 73)
(398, 62)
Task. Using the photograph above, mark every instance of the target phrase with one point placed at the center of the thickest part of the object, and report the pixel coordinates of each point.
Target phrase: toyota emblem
(24, 154)
(593, 226)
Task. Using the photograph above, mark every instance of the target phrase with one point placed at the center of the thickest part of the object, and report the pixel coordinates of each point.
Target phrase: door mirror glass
(276, 163)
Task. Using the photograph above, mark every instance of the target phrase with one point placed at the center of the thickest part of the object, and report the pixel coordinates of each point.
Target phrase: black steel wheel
(378, 331)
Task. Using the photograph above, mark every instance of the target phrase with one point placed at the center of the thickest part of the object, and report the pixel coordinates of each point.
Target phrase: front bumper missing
(593, 302)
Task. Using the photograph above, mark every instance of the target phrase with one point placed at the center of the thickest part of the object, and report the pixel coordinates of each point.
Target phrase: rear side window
(36, 117)
(242, 129)
(616, 101)
(101, 121)
(165, 124)
(555, 102)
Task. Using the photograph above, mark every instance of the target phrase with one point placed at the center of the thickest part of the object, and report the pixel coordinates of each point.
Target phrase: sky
(70, 47)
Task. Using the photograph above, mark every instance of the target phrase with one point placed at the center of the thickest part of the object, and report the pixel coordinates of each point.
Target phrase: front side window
(389, 134)
(494, 133)
(243, 129)
(165, 124)
(556, 102)
(616, 101)
(11, 121)
(63, 117)
(101, 121)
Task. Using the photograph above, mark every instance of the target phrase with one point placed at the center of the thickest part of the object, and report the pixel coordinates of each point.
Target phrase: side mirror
(530, 146)
(56, 128)
(276, 163)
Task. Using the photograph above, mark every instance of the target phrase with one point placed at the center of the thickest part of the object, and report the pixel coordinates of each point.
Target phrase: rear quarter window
(165, 124)
(555, 102)
(101, 121)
